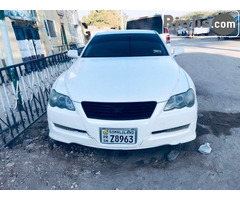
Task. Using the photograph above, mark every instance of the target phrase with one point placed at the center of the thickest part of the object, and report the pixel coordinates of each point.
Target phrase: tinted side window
(125, 45)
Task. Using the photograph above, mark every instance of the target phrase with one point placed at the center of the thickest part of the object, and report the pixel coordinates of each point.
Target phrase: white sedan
(125, 91)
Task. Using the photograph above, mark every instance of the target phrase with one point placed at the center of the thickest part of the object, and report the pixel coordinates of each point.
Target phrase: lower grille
(119, 111)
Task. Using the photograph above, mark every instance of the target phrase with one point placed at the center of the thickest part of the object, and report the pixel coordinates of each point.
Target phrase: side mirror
(72, 53)
(178, 51)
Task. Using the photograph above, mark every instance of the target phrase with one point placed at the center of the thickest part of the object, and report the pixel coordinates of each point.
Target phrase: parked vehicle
(150, 23)
(182, 31)
(125, 91)
(198, 28)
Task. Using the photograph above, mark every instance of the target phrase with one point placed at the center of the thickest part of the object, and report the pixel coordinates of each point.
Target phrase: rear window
(149, 23)
(125, 45)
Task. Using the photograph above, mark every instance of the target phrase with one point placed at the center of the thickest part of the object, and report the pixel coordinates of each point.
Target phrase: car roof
(132, 31)
(145, 17)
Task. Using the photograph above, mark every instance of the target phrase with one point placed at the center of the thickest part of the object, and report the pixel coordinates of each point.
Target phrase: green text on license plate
(118, 135)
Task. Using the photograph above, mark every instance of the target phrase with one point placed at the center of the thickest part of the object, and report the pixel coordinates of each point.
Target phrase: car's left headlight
(61, 101)
(186, 99)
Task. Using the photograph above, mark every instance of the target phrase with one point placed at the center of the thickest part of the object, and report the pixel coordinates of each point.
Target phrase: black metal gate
(24, 92)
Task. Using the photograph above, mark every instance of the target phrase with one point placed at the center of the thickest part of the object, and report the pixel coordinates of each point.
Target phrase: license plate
(118, 135)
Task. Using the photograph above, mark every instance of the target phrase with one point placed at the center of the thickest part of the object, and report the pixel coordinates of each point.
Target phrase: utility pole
(122, 19)
(5, 38)
(1, 53)
(2, 58)
(8, 50)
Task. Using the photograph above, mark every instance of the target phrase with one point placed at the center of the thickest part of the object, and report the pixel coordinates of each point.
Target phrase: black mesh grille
(119, 111)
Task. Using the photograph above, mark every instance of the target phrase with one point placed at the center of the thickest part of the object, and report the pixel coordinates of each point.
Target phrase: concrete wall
(49, 42)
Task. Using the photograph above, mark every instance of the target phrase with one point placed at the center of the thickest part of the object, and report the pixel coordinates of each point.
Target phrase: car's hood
(130, 79)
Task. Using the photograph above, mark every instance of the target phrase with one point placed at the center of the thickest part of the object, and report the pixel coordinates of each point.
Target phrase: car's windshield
(125, 45)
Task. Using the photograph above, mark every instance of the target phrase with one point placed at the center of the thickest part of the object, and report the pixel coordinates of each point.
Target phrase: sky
(141, 13)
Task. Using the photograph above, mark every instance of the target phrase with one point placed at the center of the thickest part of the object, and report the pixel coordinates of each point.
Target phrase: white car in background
(182, 31)
(125, 91)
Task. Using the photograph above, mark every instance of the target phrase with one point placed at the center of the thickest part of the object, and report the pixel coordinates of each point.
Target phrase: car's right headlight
(186, 99)
(61, 101)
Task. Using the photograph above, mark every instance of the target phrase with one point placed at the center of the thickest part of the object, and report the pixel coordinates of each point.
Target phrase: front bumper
(171, 127)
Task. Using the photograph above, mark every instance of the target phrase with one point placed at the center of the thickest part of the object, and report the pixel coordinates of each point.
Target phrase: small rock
(50, 145)
(88, 172)
(27, 142)
(140, 163)
(116, 188)
(172, 155)
(205, 149)
(153, 160)
(35, 156)
(97, 173)
(10, 164)
(29, 147)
